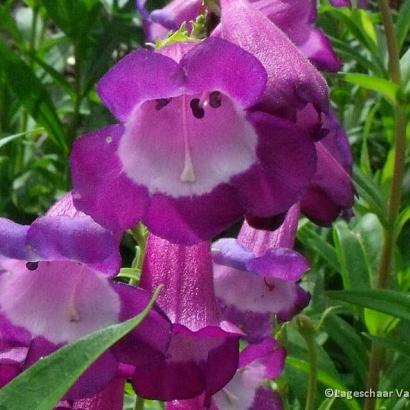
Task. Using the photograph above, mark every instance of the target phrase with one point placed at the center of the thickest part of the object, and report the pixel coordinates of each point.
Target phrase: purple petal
(331, 191)
(141, 75)
(100, 187)
(287, 162)
(250, 292)
(292, 80)
(76, 239)
(266, 399)
(60, 301)
(148, 343)
(193, 219)
(347, 3)
(245, 85)
(201, 361)
(318, 48)
(111, 398)
(261, 241)
(301, 300)
(230, 252)
(267, 354)
(255, 326)
(13, 240)
(65, 207)
(186, 275)
(280, 263)
(240, 393)
(296, 19)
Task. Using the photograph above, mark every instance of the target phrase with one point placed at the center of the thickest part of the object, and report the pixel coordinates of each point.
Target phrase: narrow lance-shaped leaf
(382, 300)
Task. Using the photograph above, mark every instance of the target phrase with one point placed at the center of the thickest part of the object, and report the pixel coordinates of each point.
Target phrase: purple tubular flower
(363, 4)
(292, 80)
(58, 289)
(258, 363)
(159, 23)
(111, 398)
(256, 276)
(191, 157)
(203, 353)
(296, 19)
(331, 192)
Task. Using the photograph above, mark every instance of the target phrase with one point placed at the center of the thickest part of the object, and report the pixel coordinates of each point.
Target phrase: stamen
(73, 315)
(188, 173)
(197, 110)
(32, 266)
(161, 103)
(215, 99)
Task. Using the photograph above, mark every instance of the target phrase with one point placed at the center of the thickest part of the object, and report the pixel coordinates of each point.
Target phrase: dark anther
(215, 99)
(161, 103)
(32, 265)
(197, 110)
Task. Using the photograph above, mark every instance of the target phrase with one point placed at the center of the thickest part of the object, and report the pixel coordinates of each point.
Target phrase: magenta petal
(111, 398)
(318, 49)
(192, 219)
(266, 399)
(101, 189)
(301, 300)
(292, 80)
(287, 163)
(266, 353)
(197, 362)
(245, 84)
(331, 191)
(76, 239)
(141, 75)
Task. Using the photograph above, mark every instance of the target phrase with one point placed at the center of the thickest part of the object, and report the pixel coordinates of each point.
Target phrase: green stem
(386, 263)
(140, 236)
(307, 330)
(139, 403)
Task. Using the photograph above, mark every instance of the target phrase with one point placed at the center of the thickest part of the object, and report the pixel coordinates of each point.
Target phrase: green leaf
(403, 22)
(311, 239)
(5, 140)
(352, 259)
(369, 191)
(327, 404)
(32, 95)
(49, 379)
(405, 70)
(73, 17)
(324, 377)
(384, 87)
(390, 343)
(346, 337)
(393, 303)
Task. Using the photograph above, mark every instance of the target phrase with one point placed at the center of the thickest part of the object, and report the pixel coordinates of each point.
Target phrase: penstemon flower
(55, 287)
(256, 277)
(192, 155)
(257, 363)
(203, 353)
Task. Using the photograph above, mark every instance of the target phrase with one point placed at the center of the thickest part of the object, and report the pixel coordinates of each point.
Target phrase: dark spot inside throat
(32, 266)
(215, 99)
(270, 286)
(197, 110)
(161, 103)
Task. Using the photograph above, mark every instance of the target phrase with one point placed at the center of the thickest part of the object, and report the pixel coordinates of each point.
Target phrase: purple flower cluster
(210, 131)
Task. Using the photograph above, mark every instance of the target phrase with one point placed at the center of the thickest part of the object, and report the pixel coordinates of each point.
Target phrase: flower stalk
(390, 237)
(307, 330)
